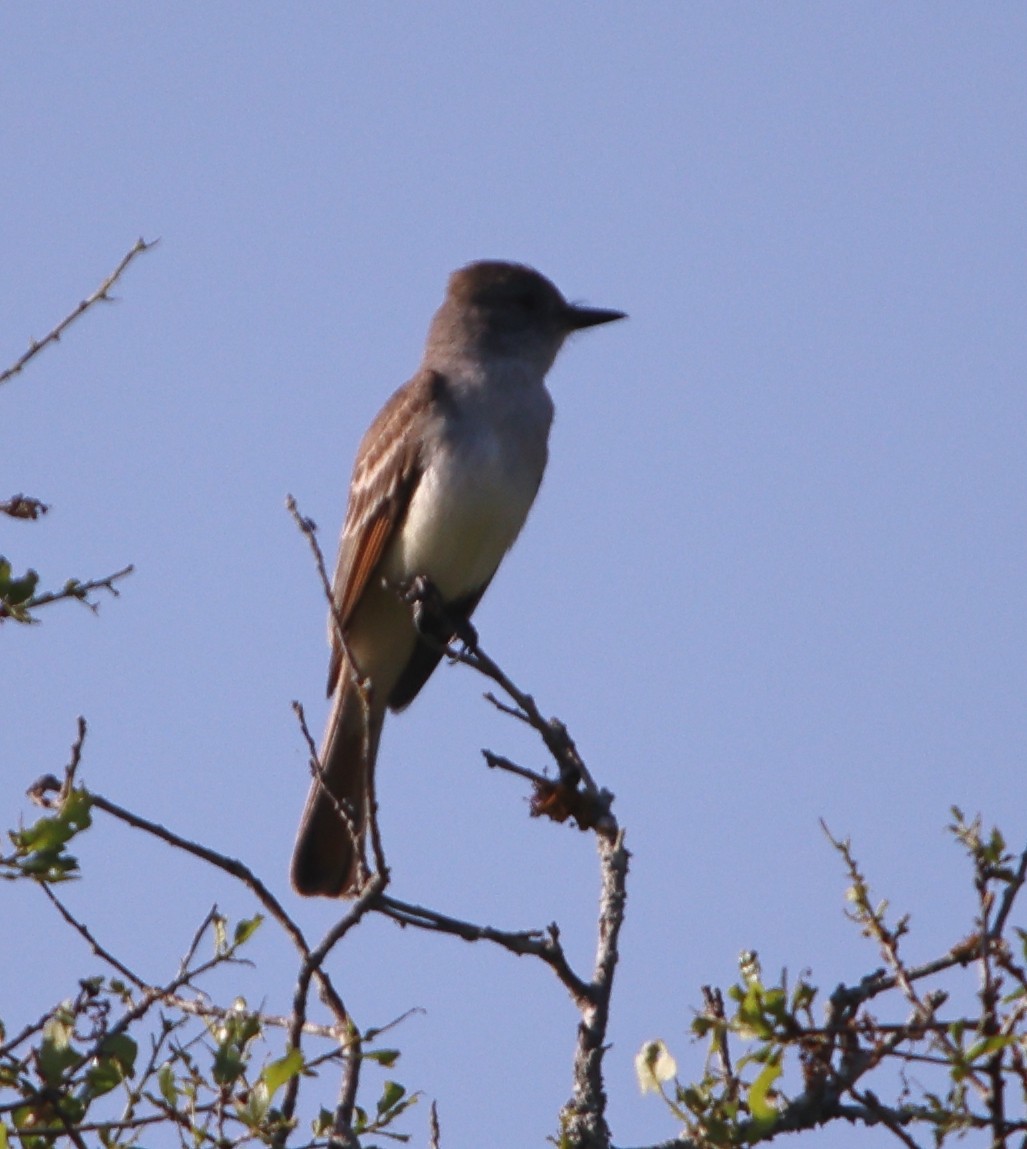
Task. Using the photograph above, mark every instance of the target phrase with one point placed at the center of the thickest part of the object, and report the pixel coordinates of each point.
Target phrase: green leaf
(803, 996)
(102, 1078)
(258, 1101)
(246, 929)
(392, 1092)
(121, 1048)
(762, 1109)
(277, 1073)
(989, 1045)
(384, 1057)
(56, 1053)
(115, 1061)
(41, 844)
(166, 1084)
(16, 591)
(229, 1065)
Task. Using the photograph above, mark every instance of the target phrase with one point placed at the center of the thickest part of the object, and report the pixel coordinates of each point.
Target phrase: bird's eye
(527, 301)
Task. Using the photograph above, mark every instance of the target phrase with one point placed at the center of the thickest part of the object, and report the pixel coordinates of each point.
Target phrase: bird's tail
(325, 859)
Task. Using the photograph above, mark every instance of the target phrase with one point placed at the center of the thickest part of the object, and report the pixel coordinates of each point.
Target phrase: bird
(442, 484)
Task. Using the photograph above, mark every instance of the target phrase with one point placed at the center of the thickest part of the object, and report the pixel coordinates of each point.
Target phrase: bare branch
(574, 794)
(100, 295)
(243, 874)
(583, 1120)
(308, 528)
(81, 928)
(73, 589)
(538, 943)
(1012, 889)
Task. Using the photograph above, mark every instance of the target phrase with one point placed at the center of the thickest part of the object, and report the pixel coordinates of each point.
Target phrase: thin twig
(543, 944)
(364, 688)
(344, 815)
(311, 967)
(73, 589)
(434, 1136)
(1012, 889)
(102, 953)
(243, 874)
(100, 295)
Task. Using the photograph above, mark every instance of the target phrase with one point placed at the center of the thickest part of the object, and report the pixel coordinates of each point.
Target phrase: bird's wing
(385, 475)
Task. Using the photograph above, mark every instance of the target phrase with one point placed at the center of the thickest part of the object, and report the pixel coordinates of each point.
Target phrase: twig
(434, 1135)
(102, 953)
(73, 589)
(194, 945)
(714, 1009)
(101, 294)
(243, 874)
(308, 528)
(311, 967)
(1006, 904)
(349, 666)
(344, 815)
(537, 943)
(342, 1121)
(574, 794)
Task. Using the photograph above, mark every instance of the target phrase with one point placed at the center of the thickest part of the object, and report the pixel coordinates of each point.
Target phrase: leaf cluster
(773, 1066)
(122, 1059)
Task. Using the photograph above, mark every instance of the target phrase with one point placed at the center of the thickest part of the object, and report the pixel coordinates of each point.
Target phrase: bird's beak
(579, 317)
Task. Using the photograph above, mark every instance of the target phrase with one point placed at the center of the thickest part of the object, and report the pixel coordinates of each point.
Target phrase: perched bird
(442, 484)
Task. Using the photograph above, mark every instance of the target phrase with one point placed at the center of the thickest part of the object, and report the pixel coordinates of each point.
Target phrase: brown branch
(583, 1120)
(713, 1001)
(434, 1134)
(25, 1033)
(343, 1136)
(73, 589)
(242, 873)
(551, 730)
(311, 967)
(100, 295)
(575, 794)
(544, 945)
(990, 992)
(1012, 889)
(82, 929)
(308, 528)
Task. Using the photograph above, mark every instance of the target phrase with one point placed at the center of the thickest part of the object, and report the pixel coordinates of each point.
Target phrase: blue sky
(776, 571)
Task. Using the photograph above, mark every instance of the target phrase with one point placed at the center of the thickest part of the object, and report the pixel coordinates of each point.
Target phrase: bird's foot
(433, 617)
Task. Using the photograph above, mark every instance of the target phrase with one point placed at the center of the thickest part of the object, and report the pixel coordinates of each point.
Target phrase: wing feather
(386, 473)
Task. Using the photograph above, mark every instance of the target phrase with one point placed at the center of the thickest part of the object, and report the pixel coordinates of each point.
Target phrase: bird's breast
(475, 491)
